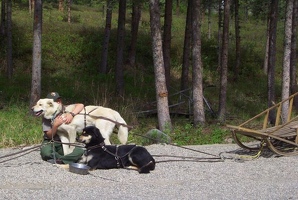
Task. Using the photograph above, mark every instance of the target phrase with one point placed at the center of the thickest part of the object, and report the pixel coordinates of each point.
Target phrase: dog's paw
(63, 166)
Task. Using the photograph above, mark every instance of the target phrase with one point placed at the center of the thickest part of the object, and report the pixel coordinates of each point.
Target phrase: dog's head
(91, 136)
(46, 108)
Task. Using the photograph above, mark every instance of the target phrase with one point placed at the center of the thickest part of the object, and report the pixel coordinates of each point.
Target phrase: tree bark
(164, 120)
(3, 18)
(287, 60)
(272, 58)
(105, 46)
(68, 11)
(186, 49)
(9, 66)
(167, 36)
(224, 64)
(293, 79)
(120, 48)
(219, 35)
(36, 54)
(209, 3)
(61, 6)
(136, 16)
(238, 41)
(197, 68)
(177, 7)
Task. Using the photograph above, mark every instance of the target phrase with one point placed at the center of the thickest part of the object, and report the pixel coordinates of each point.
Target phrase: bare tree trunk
(68, 11)
(167, 36)
(30, 6)
(136, 16)
(293, 79)
(197, 68)
(61, 6)
(265, 66)
(9, 41)
(105, 46)
(287, 60)
(186, 48)
(219, 35)
(164, 120)
(238, 40)
(120, 48)
(224, 64)
(272, 57)
(209, 19)
(36, 54)
(177, 7)
(3, 18)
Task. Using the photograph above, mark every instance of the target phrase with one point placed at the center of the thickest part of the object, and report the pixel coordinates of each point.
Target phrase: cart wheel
(282, 148)
(236, 138)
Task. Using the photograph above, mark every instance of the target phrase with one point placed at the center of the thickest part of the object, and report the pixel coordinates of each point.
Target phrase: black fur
(110, 156)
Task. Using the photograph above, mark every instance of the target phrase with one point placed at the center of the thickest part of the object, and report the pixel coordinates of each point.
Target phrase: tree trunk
(135, 21)
(186, 49)
(164, 120)
(3, 19)
(209, 19)
(105, 46)
(167, 36)
(224, 64)
(36, 54)
(293, 79)
(120, 48)
(68, 11)
(197, 68)
(272, 58)
(265, 66)
(219, 35)
(61, 6)
(287, 60)
(238, 40)
(177, 7)
(9, 40)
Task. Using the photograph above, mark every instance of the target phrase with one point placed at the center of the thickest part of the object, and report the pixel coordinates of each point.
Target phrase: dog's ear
(50, 102)
(98, 134)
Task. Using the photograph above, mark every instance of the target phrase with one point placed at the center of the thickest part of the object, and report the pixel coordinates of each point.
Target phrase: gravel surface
(180, 174)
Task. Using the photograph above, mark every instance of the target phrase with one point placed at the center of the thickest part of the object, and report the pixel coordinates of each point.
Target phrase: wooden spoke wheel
(238, 137)
(281, 147)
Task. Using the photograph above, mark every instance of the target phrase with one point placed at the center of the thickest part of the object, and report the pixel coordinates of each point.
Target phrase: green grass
(70, 60)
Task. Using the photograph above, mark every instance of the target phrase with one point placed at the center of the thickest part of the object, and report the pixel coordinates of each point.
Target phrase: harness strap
(101, 117)
(117, 158)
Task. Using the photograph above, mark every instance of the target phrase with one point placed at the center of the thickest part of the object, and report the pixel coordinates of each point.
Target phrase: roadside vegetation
(70, 61)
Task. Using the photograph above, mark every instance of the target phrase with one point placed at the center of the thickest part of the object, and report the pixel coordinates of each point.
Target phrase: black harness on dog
(117, 158)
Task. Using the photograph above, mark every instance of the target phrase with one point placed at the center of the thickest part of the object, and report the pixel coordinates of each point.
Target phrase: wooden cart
(281, 137)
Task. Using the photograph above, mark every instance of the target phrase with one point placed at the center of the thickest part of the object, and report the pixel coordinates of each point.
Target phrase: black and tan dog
(101, 156)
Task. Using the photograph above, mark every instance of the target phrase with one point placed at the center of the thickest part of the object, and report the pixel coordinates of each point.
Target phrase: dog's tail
(147, 168)
(122, 129)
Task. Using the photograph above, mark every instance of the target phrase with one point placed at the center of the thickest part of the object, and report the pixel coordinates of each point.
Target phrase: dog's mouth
(38, 113)
(84, 139)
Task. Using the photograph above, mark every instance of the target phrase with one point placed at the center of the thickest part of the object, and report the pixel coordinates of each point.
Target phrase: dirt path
(200, 176)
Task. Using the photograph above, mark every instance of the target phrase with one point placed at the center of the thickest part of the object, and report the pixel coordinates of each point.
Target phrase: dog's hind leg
(147, 168)
(106, 129)
(123, 134)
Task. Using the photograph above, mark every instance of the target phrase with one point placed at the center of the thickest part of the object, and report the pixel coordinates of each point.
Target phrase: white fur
(91, 116)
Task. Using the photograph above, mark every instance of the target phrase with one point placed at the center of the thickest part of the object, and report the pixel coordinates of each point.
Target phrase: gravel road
(180, 174)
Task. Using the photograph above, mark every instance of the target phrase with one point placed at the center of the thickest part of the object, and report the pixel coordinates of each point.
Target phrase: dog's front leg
(67, 136)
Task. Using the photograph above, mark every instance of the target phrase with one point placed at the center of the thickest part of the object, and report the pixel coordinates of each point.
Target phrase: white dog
(105, 119)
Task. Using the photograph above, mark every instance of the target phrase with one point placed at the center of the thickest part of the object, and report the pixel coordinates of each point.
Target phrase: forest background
(71, 53)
